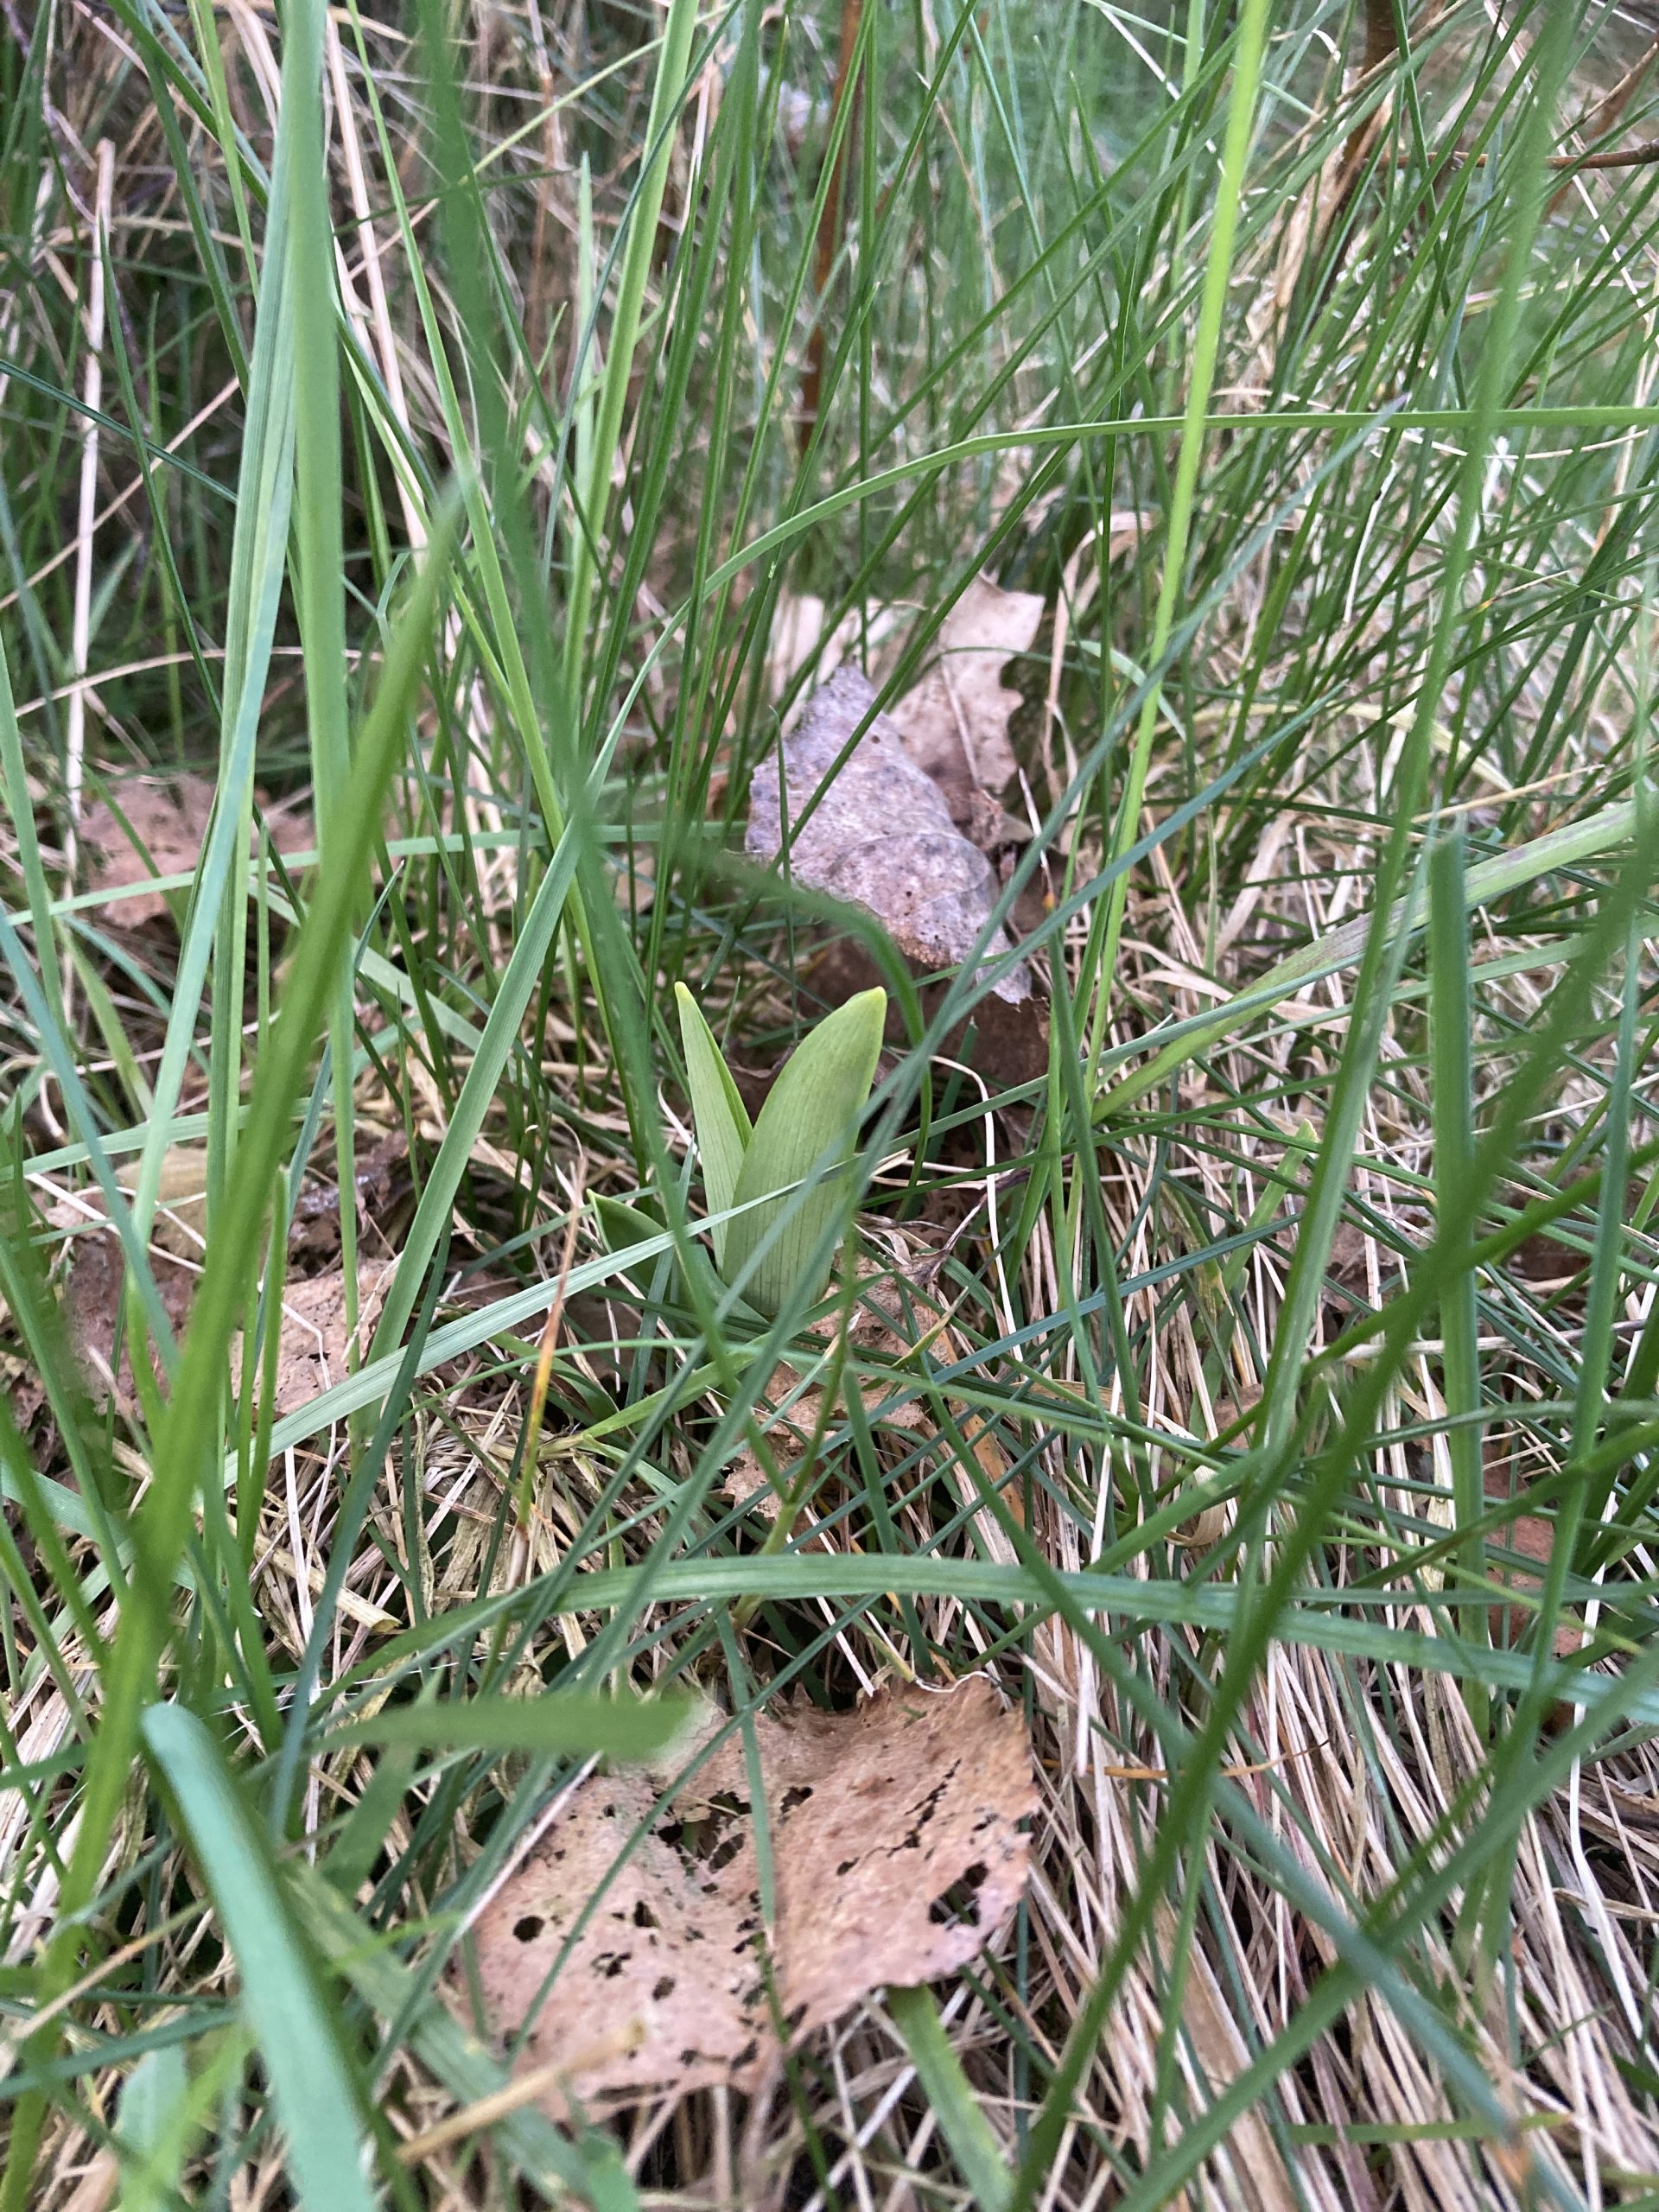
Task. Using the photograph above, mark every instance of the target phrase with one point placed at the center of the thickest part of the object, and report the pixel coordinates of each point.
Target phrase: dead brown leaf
(154, 829)
(180, 1204)
(382, 1186)
(1545, 1264)
(1533, 1538)
(897, 1852)
(801, 636)
(1349, 1263)
(797, 631)
(880, 834)
(95, 1289)
(663, 1947)
(955, 721)
(312, 1351)
(92, 1300)
(21, 1389)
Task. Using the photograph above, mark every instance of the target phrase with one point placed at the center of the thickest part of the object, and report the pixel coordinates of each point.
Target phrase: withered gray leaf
(881, 835)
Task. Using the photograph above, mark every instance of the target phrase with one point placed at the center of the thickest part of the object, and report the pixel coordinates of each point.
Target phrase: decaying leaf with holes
(880, 834)
(664, 1950)
(898, 1850)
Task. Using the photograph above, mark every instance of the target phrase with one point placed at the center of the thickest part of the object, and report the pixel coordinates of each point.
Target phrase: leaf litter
(955, 721)
(95, 1287)
(637, 1958)
(312, 1353)
(315, 1341)
(146, 829)
(92, 1300)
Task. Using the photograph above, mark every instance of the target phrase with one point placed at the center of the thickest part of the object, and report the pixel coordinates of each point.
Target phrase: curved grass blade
(950, 2094)
(188, 1444)
(667, 92)
(590, 2167)
(1488, 880)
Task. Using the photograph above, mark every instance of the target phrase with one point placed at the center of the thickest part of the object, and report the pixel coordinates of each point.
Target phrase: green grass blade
(524, 973)
(187, 1449)
(319, 537)
(567, 1723)
(673, 61)
(1452, 1017)
(318, 2099)
(962, 2123)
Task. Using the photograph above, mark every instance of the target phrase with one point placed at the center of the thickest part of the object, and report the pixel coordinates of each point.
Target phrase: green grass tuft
(1259, 1377)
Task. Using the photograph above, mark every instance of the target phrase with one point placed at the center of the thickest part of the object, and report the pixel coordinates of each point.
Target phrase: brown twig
(1616, 157)
(1381, 47)
(1603, 119)
(1619, 157)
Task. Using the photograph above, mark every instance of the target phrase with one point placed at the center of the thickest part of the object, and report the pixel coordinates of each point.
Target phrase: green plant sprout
(808, 1122)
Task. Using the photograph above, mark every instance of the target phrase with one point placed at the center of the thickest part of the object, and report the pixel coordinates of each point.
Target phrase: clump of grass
(1279, 1423)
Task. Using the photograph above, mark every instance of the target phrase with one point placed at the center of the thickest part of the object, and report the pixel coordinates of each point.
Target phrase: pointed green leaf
(958, 2109)
(722, 1120)
(150, 2129)
(811, 1120)
(168, 2101)
(314, 2085)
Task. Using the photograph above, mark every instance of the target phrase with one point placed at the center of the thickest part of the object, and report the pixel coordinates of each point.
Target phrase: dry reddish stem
(830, 222)
(1382, 44)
